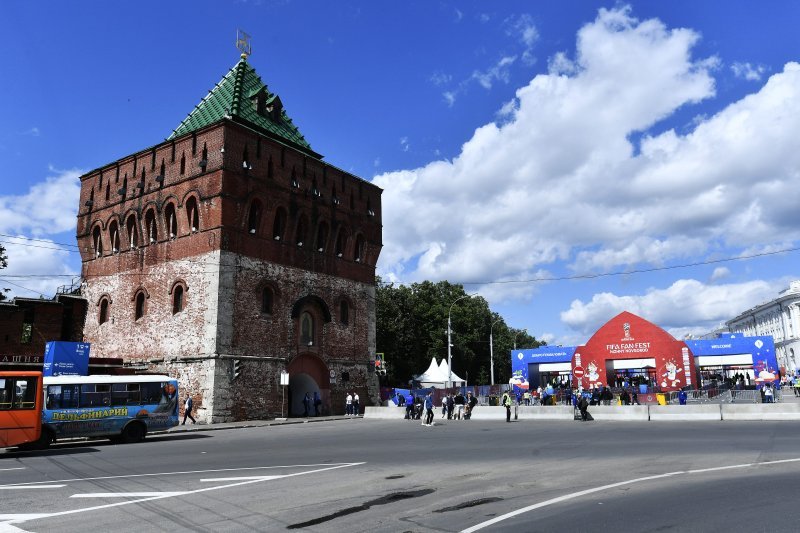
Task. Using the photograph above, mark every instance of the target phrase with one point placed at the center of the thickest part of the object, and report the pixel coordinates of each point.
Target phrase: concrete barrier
(761, 411)
(490, 412)
(681, 413)
(544, 412)
(385, 413)
(619, 412)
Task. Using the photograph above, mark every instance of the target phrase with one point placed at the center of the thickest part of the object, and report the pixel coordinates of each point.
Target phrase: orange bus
(20, 408)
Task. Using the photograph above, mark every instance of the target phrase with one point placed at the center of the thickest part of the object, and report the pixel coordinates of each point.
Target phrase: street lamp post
(449, 344)
(491, 352)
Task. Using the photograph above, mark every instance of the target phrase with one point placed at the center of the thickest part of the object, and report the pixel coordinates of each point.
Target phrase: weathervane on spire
(243, 43)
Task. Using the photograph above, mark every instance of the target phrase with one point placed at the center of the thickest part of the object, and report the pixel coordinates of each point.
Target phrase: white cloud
(49, 207)
(748, 72)
(498, 72)
(558, 181)
(449, 97)
(720, 273)
(440, 78)
(404, 144)
(686, 301)
(33, 132)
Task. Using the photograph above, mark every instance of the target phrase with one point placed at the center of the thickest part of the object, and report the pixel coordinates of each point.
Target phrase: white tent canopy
(437, 376)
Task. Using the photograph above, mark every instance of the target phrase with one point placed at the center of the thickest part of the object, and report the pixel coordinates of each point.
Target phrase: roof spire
(243, 44)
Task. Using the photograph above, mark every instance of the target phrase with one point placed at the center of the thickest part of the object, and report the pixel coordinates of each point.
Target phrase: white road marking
(166, 495)
(127, 494)
(247, 468)
(578, 494)
(21, 516)
(245, 478)
(15, 468)
(14, 487)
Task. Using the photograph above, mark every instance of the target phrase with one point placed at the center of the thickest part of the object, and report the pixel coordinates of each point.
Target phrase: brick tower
(231, 252)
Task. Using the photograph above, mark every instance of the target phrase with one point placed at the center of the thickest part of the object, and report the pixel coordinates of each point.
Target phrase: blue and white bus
(123, 408)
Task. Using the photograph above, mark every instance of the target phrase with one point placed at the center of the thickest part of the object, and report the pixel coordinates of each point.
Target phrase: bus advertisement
(36, 411)
(123, 408)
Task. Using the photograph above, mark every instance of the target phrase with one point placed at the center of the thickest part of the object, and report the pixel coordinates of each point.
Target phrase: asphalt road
(369, 475)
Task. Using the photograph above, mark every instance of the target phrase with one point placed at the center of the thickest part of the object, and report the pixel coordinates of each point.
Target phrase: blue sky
(522, 146)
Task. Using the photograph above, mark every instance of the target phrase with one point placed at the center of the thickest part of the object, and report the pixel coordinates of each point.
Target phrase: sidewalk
(255, 423)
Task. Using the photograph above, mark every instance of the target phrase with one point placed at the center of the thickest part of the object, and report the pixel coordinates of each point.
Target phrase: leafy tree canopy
(412, 328)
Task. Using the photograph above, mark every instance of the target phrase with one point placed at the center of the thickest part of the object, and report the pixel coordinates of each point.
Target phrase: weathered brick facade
(28, 324)
(204, 255)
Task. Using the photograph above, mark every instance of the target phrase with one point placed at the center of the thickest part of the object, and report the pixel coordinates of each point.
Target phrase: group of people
(308, 402)
(352, 405)
(455, 406)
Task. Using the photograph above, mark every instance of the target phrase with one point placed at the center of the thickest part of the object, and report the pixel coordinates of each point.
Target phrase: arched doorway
(308, 374)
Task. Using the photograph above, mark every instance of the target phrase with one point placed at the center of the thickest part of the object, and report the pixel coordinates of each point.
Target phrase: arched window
(341, 241)
(177, 299)
(307, 329)
(344, 312)
(140, 307)
(322, 236)
(358, 252)
(302, 230)
(133, 232)
(113, 233)
(192, 214)
(170, 220)
(267, 300)
(97, 241)
(102, 317)
(279, 226)
(152, 227)
(254, 217)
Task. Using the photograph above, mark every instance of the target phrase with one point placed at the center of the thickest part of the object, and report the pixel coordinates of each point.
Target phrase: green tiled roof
(234, 98)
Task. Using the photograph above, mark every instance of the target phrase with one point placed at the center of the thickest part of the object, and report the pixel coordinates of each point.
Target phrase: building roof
(241, 96)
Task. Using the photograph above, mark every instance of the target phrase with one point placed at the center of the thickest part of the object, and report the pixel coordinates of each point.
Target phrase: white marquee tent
(437, 376)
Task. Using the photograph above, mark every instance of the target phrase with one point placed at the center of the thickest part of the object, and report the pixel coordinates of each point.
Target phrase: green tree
(412, 329)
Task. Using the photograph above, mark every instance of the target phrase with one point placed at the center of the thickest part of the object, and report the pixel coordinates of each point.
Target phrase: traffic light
(380, 364)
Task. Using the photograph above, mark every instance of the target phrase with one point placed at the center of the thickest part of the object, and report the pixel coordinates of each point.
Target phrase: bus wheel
(133, 432)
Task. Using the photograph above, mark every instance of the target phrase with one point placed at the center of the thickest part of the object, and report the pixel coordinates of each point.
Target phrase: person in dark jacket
(460, 403)
(187, 410)
(428, 421)
(583, 407)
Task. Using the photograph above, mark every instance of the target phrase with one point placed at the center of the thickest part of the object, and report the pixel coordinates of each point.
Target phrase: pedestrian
(444, 406)
(472, 401)
(428, 421)
(356, 404)
(187, 410)
(507, 404)
(583, 407)
(410, 408)
(348, 405)
(460, 403)
(450, 406)
(768, 393)
(306, 404)
(682, 397)
(317, 403)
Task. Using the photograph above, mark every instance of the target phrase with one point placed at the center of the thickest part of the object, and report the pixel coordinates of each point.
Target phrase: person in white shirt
(348, 405)
(356, 407)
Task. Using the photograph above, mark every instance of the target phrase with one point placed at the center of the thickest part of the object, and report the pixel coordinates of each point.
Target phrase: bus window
(19, 393)
(95, 395)
(151, 393)
(62, 397)
(6, 386)
(26, 393)
(125, 394)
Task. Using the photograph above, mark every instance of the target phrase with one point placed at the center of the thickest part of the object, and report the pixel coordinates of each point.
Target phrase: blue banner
(66, 358)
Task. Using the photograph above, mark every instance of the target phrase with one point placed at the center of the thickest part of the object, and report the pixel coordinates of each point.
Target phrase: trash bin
(661, 398)
(493, 400)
